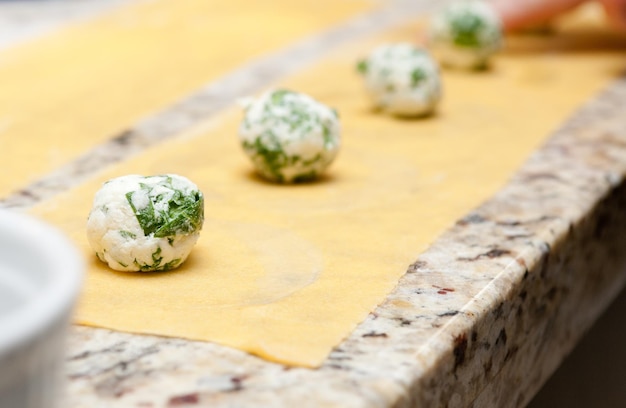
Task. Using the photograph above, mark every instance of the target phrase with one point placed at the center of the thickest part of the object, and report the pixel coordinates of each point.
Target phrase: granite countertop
(482, 318)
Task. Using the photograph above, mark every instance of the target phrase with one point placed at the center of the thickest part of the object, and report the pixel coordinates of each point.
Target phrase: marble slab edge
(482, 318)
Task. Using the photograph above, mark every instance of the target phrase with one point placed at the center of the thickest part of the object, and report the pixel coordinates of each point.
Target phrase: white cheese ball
(465, 34)
(289, 136)
(142, 223)
(402, 79)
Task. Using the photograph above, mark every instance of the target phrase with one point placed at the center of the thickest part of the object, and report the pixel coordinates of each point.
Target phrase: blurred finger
(616, 13)
(520, 14)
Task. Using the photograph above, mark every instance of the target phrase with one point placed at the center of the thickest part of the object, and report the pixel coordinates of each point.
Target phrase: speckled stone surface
(480, 319)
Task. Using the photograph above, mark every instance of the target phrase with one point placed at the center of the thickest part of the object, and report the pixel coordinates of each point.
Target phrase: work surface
(481, 318)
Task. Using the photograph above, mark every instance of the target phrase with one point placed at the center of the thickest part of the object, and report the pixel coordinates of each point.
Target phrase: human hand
(519, 14)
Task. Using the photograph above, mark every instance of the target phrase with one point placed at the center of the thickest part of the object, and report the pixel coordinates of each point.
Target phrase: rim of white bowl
(59, 295)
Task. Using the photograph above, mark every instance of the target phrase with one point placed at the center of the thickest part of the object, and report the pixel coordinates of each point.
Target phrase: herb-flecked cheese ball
(465, 34)
(402, 79)
(142, 223)
(289, 136)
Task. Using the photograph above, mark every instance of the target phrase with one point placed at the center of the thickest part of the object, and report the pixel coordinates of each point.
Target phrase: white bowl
(40, 276)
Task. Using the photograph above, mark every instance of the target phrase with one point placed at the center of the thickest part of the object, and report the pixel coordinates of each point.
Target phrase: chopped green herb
(156, 256)
(362, 66)
(270, 158)
(466, 29)
(127, 234)
(179, 212)
(278, 95)
(312, 160)
(156, 263)
(417, 76)
(171, 264)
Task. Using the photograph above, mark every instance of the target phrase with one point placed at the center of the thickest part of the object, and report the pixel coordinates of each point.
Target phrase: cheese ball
(402, 79)
(465, 34)
(289, 136)
(142, 223)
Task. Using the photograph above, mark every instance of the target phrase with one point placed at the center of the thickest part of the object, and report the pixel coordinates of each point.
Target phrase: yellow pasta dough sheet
(64, 93)
(286, 272)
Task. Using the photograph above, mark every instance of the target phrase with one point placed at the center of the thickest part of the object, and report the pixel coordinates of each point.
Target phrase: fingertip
(520, 14)
(508, 12)
(616, 13)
